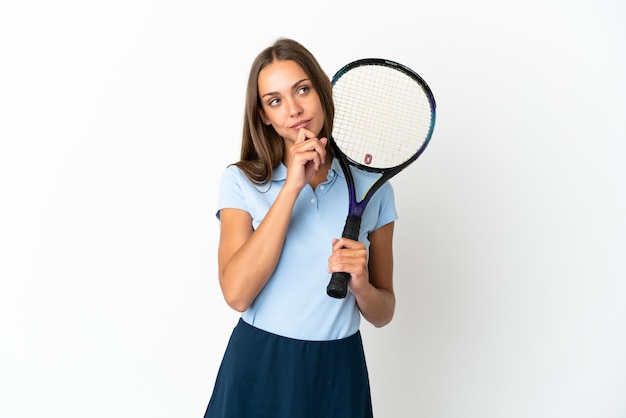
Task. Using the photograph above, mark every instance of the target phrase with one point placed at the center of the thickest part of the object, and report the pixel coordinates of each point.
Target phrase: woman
(295, 351)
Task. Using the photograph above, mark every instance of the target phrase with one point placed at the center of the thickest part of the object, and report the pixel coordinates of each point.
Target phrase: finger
(323, 141)
(315, 159)
(347, 264)
(303, 135)
(314, 148)
(346, 243)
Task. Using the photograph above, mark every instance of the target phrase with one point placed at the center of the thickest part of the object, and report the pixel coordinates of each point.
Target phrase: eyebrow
(274, 93)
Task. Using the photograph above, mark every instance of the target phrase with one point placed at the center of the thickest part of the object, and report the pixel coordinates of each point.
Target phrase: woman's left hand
(350, 256)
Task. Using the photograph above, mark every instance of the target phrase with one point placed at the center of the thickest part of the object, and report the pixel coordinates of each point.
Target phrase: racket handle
(338, 285)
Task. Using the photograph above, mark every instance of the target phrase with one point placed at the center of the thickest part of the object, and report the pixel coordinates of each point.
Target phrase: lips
(301, 124)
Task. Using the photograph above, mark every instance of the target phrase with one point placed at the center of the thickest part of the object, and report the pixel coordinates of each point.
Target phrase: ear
(263, 116)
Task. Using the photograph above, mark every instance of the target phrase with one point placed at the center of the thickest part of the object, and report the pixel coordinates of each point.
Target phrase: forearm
(371, 280)
(376, 305)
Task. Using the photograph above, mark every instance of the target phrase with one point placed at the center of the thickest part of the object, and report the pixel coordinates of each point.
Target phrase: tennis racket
(384, 119)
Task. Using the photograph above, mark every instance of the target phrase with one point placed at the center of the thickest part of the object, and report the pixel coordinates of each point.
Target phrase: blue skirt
(267, 375)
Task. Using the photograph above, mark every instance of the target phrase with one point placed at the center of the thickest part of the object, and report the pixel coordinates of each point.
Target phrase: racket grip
(338, 285)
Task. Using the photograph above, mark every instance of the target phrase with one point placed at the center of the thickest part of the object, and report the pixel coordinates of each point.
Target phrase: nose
(295, 108)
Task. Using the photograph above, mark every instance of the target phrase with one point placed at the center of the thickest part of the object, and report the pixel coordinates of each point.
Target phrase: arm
(247, 257)
(371, 281)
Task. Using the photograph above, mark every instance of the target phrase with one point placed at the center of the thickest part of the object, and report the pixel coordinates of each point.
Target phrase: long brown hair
(261, 147)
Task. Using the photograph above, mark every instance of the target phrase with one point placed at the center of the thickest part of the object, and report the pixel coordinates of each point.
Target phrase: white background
(117, 119)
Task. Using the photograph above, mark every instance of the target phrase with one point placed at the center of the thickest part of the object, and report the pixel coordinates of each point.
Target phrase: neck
(322, 174)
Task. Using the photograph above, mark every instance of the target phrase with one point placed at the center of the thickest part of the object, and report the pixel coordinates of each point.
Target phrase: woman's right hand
(305, 157)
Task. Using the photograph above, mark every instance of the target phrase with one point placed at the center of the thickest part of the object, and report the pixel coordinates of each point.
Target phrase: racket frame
(338, 285)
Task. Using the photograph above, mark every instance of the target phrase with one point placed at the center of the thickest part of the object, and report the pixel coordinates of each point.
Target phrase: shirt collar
(279, 173)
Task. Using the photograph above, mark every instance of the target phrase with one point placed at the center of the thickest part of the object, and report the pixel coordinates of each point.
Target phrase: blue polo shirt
(294, 302)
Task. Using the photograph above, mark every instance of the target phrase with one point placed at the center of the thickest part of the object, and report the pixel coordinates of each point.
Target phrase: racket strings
(382, 116)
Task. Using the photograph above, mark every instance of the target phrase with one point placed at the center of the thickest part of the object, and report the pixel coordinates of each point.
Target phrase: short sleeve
(231, 193)
(387, 208)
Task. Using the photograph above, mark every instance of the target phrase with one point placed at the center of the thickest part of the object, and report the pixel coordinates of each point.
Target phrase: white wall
(117, 118)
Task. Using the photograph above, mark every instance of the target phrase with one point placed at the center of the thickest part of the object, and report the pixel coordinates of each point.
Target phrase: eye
(273, 102)
(302, 90)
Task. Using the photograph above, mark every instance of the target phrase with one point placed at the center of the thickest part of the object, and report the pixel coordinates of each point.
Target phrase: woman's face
(289, 101)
